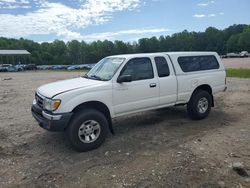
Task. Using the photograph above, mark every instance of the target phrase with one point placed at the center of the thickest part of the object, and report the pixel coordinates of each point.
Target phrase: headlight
(51, 104)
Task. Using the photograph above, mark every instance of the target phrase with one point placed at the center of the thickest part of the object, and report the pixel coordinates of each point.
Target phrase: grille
(39, 101)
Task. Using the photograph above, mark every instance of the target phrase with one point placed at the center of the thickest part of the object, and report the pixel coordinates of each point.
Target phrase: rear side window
(139, 69)
(198, 63)
(162, 66)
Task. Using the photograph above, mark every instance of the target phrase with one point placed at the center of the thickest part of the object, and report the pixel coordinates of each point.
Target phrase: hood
(55, 88)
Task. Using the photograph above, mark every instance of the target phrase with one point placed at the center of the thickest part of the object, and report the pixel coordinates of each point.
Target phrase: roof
(164, 53)
(14, 52)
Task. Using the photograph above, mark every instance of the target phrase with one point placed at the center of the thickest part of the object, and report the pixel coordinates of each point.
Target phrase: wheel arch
(97, 105)
(204, 87)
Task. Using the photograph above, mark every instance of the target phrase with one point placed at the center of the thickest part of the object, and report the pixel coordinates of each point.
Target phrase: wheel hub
(89, 131)
(202, 105)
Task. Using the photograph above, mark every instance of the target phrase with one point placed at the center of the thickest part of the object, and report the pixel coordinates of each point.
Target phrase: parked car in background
(73, 67)
(232, 55)
(82, 66)
(58, 67)
(7, 68)
(20, 67)
(236, 55)
(86, 66)
(89, 66)
(244, 54)
(42, 67)
(3, 68)
(65, 67)
(30, 67)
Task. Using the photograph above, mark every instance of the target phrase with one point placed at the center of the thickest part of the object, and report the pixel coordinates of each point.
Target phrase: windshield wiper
(85, 76)
(96, 77)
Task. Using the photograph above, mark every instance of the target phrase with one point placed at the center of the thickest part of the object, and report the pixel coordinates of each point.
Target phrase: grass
(239, 73)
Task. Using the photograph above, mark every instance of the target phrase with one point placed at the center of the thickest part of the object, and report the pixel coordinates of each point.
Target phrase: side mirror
(124, 78)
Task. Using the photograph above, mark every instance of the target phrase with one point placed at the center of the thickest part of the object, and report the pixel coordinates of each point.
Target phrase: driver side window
(139, 69)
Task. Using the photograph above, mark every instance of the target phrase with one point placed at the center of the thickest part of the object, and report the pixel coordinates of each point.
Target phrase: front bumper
(49, 121)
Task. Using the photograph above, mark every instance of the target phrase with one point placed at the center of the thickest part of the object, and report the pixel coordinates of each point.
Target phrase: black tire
(193, 105)
(77, 121)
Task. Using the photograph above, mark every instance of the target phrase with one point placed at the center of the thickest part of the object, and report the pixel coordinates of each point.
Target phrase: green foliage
(240, 73)
(235, 38)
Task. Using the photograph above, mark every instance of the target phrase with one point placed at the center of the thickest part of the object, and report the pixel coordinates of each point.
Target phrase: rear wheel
(199, 105)
(87, 130)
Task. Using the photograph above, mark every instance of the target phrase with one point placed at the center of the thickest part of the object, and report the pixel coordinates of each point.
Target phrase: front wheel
(199, 105)
(87, 130)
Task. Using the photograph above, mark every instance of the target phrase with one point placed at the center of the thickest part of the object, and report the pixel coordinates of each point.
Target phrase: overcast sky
(128, 20)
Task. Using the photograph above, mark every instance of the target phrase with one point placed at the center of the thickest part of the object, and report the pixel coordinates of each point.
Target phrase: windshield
(105, 69)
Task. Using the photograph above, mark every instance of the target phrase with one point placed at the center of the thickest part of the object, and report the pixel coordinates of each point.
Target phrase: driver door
(139, 94)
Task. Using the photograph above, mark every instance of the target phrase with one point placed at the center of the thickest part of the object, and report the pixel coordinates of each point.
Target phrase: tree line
(235, 38)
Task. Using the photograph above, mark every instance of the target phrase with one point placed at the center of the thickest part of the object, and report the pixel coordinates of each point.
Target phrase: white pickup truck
(124, 84)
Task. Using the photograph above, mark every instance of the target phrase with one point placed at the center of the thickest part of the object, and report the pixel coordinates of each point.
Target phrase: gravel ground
(159, 148)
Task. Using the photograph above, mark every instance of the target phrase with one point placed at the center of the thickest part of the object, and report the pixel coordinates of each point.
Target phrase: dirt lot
(160, 148)
(237, 62)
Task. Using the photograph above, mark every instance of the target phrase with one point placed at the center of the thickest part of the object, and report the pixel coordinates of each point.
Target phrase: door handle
(152, 85)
